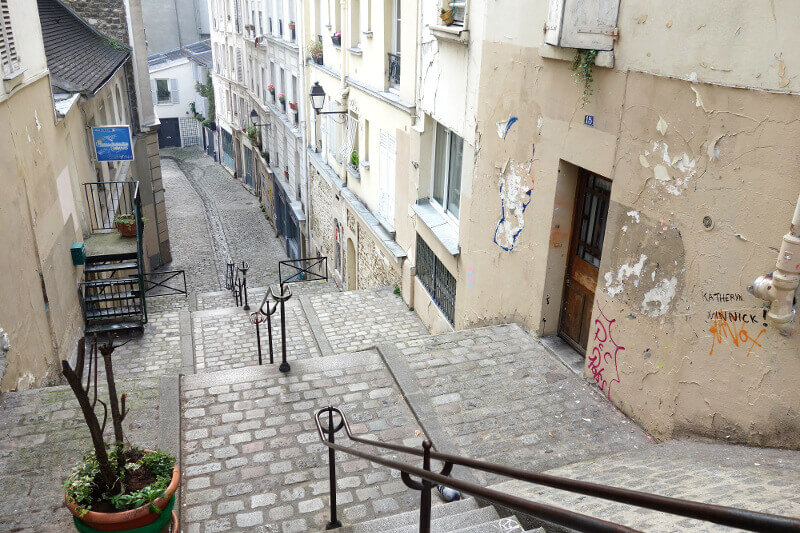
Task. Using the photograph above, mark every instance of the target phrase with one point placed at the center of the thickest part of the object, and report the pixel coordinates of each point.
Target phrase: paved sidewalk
(356, 320)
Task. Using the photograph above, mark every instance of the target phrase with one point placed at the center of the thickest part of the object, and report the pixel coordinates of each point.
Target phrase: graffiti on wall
(728, 329)
(516, 190)
(603, 359)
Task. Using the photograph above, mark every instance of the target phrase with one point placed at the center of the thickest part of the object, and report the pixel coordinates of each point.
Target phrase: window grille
(436, 279)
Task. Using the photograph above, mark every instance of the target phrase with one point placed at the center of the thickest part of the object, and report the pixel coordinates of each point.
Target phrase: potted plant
(117, 487)
(293, 106)
(265, 155)
(271, 89)
(447, 16)
(282, 100)
(315, 50)
(354, 162)
(126, 224)
(336, 39)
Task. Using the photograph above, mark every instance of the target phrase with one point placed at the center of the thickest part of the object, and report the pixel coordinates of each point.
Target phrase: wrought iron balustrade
(165, 283)
(303, 269)
(718, 514)
(107, 199)
(394, 68)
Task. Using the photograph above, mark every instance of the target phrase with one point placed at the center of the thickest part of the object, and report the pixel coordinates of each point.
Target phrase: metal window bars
(718, 514)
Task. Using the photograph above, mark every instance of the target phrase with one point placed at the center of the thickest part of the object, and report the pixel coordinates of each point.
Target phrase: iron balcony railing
(718, 514)
(394, 68)
(303, 269)
(107, 199)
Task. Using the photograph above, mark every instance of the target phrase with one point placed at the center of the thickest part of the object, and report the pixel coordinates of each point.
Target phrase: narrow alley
(245, 434)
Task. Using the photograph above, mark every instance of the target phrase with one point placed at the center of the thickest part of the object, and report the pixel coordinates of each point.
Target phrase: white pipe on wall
(780, 286)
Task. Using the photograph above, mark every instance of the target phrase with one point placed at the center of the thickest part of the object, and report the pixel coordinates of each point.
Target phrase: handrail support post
(334, 522)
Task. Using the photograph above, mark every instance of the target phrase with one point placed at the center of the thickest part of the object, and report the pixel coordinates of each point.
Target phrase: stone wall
(374, 269)
(323, 213)
(105, 16)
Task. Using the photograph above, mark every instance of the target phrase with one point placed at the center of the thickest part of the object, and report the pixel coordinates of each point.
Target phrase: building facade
(171, 24)
(560, 166)
(48, 104)
(258, 76)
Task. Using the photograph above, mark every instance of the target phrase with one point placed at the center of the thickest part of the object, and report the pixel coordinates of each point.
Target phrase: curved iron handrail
(718, 514)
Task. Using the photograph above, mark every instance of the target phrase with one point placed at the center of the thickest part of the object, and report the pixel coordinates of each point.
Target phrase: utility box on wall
(78, 251)
(586, 24)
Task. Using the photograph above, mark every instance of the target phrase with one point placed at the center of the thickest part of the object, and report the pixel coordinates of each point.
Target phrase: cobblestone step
(252, 456)
(412, 517)
(702, 471)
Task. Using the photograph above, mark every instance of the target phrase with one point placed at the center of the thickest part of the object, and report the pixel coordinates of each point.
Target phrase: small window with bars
(9, 59)
(436, 279)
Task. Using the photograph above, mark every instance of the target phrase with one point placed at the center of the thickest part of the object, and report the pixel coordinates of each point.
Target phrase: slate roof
(199, 52)
(79, 58)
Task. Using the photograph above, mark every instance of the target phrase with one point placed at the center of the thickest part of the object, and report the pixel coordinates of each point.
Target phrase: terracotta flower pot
(127, 229)
(124, 520)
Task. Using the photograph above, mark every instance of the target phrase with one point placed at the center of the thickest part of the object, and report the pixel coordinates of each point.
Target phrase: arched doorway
(351, 265)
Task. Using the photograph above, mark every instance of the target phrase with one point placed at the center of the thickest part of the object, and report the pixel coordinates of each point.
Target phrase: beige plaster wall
(726, 153)
(38, 220)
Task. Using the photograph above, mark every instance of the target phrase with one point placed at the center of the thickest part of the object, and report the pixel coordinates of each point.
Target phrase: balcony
(394, 69)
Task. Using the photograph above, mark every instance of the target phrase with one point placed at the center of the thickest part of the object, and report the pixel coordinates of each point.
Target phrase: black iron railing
(394, 68)
(303, 269)
(436, 279)
(165, 283)
(726, 516)
(105, 200)
(111, 299)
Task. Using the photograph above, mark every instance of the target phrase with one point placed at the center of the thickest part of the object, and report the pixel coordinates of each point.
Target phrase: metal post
(425, 494)
(286, 293)
(244, 268)
(334, 523)
(256, 318)
(268, 312)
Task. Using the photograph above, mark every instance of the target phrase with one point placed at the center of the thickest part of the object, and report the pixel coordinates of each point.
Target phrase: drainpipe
(779, 287)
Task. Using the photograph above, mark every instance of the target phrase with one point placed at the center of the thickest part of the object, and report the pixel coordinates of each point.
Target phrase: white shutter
(386, 183)
(239, 71)
(587, 24)
(153, 92)
(8, 48)
(173, 91)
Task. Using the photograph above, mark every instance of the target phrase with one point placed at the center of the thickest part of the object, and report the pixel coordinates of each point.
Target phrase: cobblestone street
(245, 435)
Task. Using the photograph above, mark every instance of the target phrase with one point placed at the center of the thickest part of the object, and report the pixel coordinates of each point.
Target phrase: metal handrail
(718, 514)
(303, 273)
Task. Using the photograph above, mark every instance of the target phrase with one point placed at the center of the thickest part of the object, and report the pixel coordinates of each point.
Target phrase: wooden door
(586, 248)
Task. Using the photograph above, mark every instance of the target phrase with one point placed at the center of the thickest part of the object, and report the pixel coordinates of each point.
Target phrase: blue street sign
(589, 120)
(113, 143)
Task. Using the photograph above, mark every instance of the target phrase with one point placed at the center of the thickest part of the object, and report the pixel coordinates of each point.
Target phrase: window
(355, 23)
(9, 60)
(440, 284)
(386, 180)
(166, 91)
(396, 26)
(448, 154)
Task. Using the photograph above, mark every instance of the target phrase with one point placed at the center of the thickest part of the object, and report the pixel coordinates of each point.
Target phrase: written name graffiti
(725, 329)
(603, 359)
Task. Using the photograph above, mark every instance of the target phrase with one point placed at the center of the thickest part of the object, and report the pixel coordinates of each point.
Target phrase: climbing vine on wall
(206, 90)
(583, 66)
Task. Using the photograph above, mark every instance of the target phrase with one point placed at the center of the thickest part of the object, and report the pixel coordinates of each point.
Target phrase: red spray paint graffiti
(603, 360)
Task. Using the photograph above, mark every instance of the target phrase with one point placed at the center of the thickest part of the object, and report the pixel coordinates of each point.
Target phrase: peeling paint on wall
(515, 196)
(614, 285)
(656, 300)
(673, 173)
(505, 125)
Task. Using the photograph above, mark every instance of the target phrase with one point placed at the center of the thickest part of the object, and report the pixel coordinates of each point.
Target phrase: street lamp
(254, 117)
(317, 96)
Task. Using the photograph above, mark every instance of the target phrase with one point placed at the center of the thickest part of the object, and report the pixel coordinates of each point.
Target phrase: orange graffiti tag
(736, 334)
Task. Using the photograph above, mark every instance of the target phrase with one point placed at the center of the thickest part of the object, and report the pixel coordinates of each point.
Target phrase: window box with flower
(336, 39)
(282, 100)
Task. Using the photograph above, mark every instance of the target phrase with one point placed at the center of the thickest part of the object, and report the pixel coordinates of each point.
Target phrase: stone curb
(325, 348)
(169, 423)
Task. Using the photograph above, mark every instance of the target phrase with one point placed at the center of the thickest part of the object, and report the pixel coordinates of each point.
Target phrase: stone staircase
(463, 516)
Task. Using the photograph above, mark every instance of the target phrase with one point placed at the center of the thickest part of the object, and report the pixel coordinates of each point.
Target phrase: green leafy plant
(206, 90)
(124, 219)
(396, 289)
(115, 44)
(354, 158)
(582, 67)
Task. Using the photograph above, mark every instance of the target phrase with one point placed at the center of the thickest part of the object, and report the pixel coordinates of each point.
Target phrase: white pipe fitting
(779, 287)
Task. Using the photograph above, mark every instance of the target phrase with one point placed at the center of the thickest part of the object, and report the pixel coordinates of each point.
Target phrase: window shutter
(586, 24)
(153, 93)
(386, 182)
(173, 91)
(8, 48)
